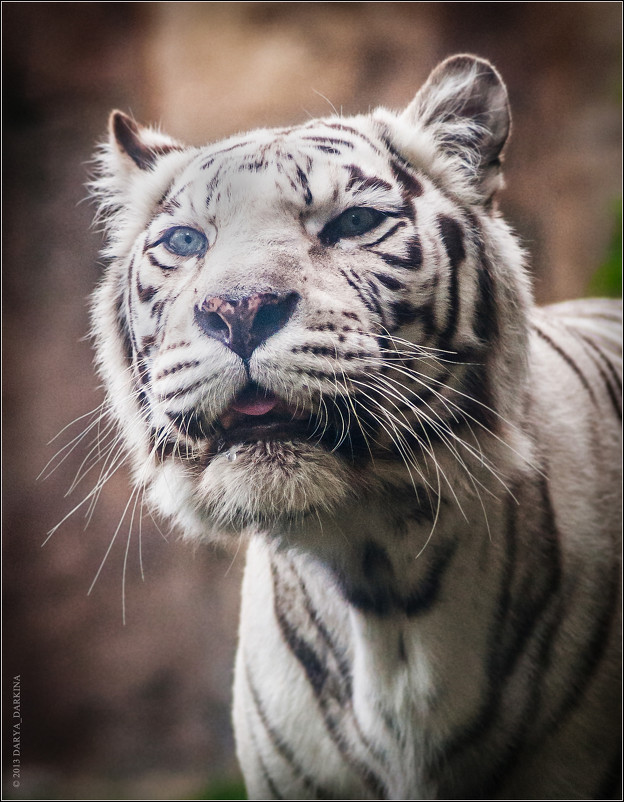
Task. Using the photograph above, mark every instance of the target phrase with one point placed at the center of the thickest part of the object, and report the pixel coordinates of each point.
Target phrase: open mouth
(257, 414)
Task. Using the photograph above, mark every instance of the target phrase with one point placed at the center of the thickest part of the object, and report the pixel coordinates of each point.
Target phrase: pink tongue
(255, 406)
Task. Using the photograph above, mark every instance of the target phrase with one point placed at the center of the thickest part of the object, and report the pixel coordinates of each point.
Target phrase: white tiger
(321, 339)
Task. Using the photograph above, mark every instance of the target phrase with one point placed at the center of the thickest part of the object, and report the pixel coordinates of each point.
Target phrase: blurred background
(141, 710)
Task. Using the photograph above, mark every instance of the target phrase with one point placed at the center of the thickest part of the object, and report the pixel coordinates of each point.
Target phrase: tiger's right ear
(135, 145)
(131, 171)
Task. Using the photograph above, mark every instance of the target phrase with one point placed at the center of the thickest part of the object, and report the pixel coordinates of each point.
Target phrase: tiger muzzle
(242, 324)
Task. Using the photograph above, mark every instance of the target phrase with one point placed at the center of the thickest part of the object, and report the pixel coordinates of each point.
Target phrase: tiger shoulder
(321, 340)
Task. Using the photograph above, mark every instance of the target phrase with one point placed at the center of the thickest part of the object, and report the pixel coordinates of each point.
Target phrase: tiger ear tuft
(465, 107)
(140, 144)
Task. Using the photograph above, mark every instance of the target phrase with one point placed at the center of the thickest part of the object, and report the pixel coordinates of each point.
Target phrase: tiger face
(307, 313)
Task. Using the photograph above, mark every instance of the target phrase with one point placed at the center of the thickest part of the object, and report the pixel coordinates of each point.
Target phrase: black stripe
(282, 746)
(221, 151)
(127, 319)
(316, 671)
(155, 263)
(316, 350)
(372, 307)
(147, 342)
(405, 313)
(431, 389)
(342, 663)
(524, 625)
(486, 325)
(532, 597)
(181, 391)
(343, 690)
(454, 410)
(252, 165)
(524, 595)
(178, 367)
(374, 297)
(331, 688)
(142, 370)
(145, 293)
(157, 310)
(453, 241)
(375, 593)
(389, 281)
(544, 633)
(212, 185)
(267, 777)
(124, 333)
(303, 180)
(412, 188)
(607, 587)
(169, 207)
(413, 260)
(403, 171)
(331, 140)
(387, 235)
(263, 768)
(485, 316)
(363, 181)
(423, 597)
(130, 343)
(162, 446)
(478, 401)
(568, 360)
(617, 379)
(353, 132)
(599, 359)
(170, 204)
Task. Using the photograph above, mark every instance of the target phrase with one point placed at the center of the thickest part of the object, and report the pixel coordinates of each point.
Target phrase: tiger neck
(413, 644)
(389, 556)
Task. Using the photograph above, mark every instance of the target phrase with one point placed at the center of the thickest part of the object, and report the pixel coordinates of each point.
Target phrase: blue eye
(185, 241)
(352, 223)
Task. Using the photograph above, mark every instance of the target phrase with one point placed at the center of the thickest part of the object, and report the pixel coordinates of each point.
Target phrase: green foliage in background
(224, 789)
(607, 280)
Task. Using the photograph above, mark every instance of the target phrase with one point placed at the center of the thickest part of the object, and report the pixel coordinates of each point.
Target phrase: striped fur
(321, 340)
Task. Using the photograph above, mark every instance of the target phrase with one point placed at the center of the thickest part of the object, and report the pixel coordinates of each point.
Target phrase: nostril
(268, 317)
(212, 324)
(245, 323)
(215, 322)
(273, 315)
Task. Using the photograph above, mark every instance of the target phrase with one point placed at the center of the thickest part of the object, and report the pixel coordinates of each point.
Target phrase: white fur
(380, 591)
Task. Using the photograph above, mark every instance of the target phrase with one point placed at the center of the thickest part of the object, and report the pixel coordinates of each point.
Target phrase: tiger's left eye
(352, 223)
(185, 241)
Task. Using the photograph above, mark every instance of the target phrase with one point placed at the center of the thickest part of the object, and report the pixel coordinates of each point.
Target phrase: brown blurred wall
(141, 710)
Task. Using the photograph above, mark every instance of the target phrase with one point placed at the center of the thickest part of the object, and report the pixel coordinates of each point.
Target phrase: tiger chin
(271, 483)
(323, 338)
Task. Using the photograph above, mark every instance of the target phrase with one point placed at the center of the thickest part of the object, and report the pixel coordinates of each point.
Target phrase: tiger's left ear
(136, 146)
(458, 124)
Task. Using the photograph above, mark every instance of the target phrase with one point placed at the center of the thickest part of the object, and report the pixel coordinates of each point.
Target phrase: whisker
(69, 447)
(112, 541)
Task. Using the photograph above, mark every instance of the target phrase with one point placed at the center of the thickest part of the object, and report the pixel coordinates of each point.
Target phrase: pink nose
(245, 323)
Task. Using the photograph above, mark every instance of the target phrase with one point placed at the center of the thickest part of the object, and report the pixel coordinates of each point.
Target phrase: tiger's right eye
(351, 223)
(185, 241)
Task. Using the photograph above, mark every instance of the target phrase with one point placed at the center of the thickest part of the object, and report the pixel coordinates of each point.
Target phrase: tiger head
(294, 316)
